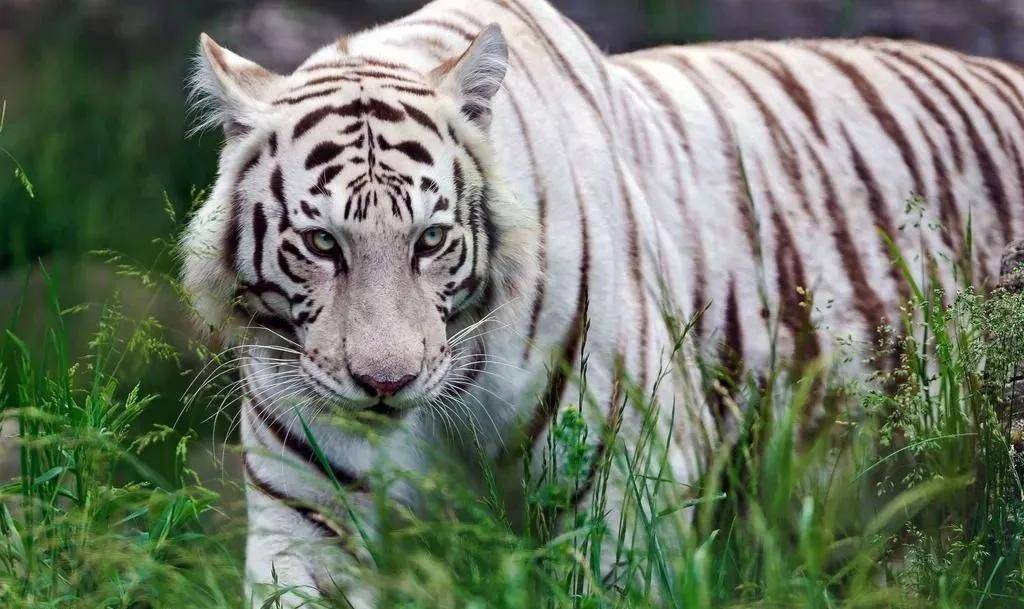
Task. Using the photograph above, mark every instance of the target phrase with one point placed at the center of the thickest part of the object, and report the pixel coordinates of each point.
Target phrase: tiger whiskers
(444, 405)
(224, 369)
(461, 336)
(277, 383)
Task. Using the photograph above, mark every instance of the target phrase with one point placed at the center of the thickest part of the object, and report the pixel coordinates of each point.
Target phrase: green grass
(86, 523)
(900, 494)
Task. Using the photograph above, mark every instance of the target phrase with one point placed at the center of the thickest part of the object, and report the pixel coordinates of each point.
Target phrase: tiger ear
(473, 78)
(229, 90)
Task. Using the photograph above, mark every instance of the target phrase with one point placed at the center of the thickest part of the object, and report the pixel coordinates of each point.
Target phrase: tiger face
(356, 219)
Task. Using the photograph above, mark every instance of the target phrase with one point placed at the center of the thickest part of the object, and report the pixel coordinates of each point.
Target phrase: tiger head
(357, 223)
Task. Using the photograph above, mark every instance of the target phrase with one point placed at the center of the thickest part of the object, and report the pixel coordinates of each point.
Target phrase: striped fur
(589, 189)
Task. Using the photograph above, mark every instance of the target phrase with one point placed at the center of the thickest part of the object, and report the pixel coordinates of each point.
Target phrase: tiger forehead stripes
(439, 221)
(340, 164)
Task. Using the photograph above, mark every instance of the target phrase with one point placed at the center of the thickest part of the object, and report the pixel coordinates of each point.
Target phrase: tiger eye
(431, 240)
(321, 241)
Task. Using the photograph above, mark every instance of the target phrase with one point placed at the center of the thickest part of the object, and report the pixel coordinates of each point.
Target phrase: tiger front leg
(297, 557)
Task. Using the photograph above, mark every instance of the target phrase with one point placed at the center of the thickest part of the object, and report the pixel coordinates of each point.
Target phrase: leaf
(48, 475)
(25, 183)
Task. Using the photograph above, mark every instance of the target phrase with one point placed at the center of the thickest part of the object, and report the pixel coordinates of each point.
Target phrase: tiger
(440, 218)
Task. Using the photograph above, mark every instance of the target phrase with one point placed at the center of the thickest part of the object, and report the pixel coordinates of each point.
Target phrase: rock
(1011, 267)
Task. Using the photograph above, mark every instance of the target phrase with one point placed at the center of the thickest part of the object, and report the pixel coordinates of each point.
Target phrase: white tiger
(483, 160)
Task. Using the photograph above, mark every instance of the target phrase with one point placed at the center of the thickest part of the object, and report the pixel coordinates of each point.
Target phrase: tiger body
(723, 183)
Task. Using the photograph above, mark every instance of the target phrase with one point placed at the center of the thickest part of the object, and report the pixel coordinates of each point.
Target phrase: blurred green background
(95, 116)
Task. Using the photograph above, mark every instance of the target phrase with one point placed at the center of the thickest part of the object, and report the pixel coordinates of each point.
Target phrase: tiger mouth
(382, 409)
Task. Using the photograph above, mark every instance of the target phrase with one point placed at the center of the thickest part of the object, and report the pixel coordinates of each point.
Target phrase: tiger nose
(380, 386)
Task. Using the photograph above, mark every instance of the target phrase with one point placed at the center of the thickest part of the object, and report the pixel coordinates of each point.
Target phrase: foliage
(98, 126)
(86, 523)
(901, 495)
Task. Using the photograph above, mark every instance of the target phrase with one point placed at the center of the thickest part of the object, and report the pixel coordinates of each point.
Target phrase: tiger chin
(453, 226)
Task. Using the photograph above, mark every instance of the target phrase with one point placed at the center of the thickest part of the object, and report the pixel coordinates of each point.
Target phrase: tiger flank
(427, 221)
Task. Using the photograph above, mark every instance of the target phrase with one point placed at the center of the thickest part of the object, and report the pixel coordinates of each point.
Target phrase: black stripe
(309, 210)
(730, 148)
(428, 185)
(323, 152)
(952, 231)
(257, 319)
(232, 236)
(381, 75)
(878, 207)
(460, 184)
(259, 232)
(613, 422)
(561, 61)
(868, 303)
(387, 65)
(290, 247)
(277, 184)
(286, 268)
(793, 312)
(875, 104)
(349, 62)
(298, 445)
(325, 177)
(315, 117)
(540, 195)
(667, 106)
(784, 146)
(473, 202)
(298, 99)
(463, 254)
(311, 516)
(410, 90)
(633, 127)
(451, 247)
(421, 117)
(250, 164)
(356, 109)
(383, 111)
(637, 272)
(277, 189)
(730, 352)
(412, 149)
(932, 109)
(986, 164)
(789, 84)
(325, 79)
(547, 407)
